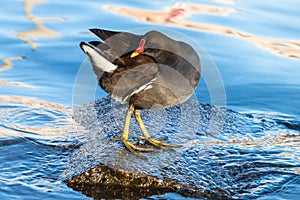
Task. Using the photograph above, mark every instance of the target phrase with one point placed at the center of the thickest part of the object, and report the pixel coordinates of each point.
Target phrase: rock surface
(105, 182)
(215, 160)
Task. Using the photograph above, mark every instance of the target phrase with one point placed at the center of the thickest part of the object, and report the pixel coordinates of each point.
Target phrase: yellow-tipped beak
(134, 54)
(139, 50)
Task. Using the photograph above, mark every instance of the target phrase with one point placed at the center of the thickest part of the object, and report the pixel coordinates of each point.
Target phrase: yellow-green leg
(156, 142)
(133, 148)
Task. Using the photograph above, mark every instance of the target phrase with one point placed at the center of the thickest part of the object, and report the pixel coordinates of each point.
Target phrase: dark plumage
(150, 71)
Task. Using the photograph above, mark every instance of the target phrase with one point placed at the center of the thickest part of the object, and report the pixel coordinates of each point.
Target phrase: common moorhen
(150, 71)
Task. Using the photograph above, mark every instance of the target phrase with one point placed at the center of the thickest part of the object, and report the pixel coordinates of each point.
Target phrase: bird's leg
(156, 142)
(133, 148)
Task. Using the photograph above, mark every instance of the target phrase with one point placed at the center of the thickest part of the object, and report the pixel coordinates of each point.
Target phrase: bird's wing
(132, 76)
(103, 34)
(115, 44)
(176, 55)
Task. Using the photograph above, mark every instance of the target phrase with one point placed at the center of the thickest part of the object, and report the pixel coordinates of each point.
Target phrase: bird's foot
(158, 142)
(131, 146)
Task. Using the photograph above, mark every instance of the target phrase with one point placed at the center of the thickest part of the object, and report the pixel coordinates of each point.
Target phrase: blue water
(259, 73)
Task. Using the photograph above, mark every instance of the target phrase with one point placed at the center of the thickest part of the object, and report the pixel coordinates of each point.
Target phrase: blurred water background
(255, 46)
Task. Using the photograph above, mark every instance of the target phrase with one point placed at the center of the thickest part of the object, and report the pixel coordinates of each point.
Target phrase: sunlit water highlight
(255, 46)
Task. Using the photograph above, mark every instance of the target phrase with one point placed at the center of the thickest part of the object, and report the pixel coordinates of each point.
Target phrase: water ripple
(253, 155)
(177, 15)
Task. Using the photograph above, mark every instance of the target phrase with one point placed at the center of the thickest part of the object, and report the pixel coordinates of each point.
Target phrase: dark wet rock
(104, 182)
(222, 150)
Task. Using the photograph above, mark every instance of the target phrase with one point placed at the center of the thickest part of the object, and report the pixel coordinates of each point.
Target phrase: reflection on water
(40, 31)
(19, 84)
(284, 142)
(29, 117)
(176, 16)
(176, 13)
(7, 64)
(257, 155)
(254, 153)
(229, 2)
(33, 103)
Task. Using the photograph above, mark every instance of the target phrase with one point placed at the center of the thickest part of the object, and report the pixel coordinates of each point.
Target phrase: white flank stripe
(143, 87)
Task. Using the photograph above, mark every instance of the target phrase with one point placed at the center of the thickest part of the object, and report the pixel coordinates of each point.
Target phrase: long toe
(134, 148)
(159, 143)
